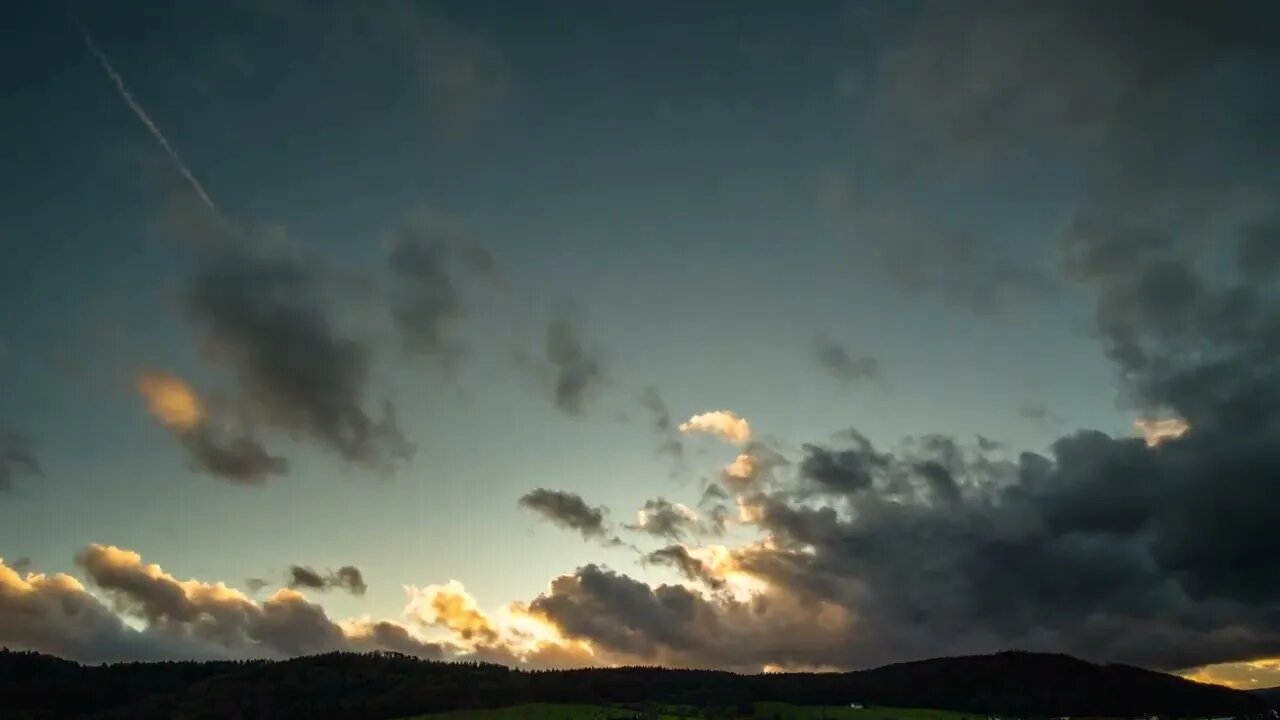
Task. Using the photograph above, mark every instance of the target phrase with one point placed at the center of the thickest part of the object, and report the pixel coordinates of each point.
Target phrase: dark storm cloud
(569, 510)
(16, 459)
(623, 614)
(427, 300)
(1106, 548)
(842, 471)
(347, 577)
(575, 373)
(241, 459)
(836, 360)
(262, 318)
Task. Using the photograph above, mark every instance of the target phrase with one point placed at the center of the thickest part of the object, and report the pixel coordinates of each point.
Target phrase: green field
(785, 711)
(532, 711)
(763, 711)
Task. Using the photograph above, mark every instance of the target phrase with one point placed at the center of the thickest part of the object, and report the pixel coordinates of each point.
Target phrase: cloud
(753, 468)
(217, 616)
(171, 400)
(725, 424)
(452, 607)
(666, 519)
(678, 557)
(347, 577)
(1156, 432)
(17, 459)
(652, 401)
(576, 373)
(151, 615)
(426, 253)
(239, 459)
(569, 510)
(261, 318)
(836, 360)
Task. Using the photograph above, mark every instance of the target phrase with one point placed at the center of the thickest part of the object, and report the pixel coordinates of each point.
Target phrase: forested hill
(388, 685)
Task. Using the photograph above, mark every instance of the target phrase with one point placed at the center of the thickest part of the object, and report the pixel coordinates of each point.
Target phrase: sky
(751, 335)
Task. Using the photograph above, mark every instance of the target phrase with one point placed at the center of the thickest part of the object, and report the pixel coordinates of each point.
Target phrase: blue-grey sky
(511, 223)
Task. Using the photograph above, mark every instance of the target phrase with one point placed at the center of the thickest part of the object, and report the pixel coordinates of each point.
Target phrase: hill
(1270, 695)
(389, 685)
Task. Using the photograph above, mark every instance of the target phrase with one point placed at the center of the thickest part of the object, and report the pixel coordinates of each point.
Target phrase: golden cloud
(726, 424)
(171, 400)
(742, 468)
(450, 606)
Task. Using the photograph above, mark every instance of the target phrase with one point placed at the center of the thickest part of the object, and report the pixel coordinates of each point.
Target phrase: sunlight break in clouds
(1243, 675)
(1156, 432)
(171, 400)
(726, 424)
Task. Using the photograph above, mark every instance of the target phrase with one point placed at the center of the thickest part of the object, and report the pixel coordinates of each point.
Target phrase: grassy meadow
(763, 711)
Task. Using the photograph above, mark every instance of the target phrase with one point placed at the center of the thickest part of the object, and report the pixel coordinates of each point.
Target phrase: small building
(857, 706)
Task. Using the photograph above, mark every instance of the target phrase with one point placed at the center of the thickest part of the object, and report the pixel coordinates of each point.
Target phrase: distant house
(857, 706)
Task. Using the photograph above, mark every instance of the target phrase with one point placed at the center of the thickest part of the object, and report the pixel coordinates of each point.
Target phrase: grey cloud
(623, 614)
(262, 318)
(663, 518)
(714, 504)
(836, 360)
(17, 459)
(671, 444)
(347, 577)
(842, 471)
(678, 557)
(629, 622)
(427, 299)
(576, 373)
(570, 511)
(240, 459)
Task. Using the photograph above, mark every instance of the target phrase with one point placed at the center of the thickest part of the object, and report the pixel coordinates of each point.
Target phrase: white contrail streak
(146, 119)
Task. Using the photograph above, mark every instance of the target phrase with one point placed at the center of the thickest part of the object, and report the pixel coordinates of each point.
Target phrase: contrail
(142, 115)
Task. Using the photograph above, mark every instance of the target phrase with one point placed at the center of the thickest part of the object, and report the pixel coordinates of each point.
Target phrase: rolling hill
(388, 685)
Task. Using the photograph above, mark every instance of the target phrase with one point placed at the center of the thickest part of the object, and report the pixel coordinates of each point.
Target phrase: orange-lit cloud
(1156, 432)
(1250, 675)
(726, 424)
(511, 636)
(742, 468)
(171, 400)
(450, 606)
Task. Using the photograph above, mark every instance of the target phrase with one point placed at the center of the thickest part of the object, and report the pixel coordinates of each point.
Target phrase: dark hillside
(388, 685)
